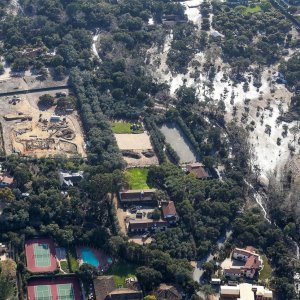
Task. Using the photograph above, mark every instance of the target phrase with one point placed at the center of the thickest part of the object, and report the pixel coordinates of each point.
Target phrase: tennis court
(54, 288)
(42, 255)
(43, 292)
(65, 291)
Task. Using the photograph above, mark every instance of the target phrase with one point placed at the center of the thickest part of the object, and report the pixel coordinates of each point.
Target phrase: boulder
(263, 181)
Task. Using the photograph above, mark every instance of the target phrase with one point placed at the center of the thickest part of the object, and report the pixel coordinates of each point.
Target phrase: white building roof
(230, 290)
(244, 291)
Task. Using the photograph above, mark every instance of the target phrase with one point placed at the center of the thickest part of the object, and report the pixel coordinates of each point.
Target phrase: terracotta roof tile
(169, 209)
(253, 263)
(198, 170)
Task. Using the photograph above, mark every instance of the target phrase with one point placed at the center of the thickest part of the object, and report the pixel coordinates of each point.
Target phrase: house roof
(167, 292)
(6, 178)
(251, 249)
(198, 170)
(245, 251)
(244, 291)
(105, 288)
(136, 194)
(125, 294)
(69, 178)
(103, 285)
(146, 223)
(230, 290)
(247, 293)
(233, 270)
(78, 174)
(169, 209)
(253, 262)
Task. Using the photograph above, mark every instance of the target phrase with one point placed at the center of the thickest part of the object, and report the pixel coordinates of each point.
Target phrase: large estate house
(253, 264)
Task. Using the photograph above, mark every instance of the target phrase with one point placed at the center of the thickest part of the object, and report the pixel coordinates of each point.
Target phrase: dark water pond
(179, 142)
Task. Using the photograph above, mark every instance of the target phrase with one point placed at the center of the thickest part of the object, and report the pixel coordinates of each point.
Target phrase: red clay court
(56, 288)
(40, 255)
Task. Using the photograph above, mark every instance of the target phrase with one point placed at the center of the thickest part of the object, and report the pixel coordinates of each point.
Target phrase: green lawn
(266, 272)
(121, 271)
(73, 263)
(137, 178)
(252, 10)
(248, 10)
(124, 127)
(65, 266)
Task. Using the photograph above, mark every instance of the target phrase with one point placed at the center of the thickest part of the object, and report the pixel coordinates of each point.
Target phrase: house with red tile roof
(6, 180)
(253, 263)
(198, 170)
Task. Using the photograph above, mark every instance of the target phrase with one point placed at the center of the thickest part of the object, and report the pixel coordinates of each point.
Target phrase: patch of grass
(137, 178)
(65, 266)
(266, 272)
(121, 270)
(248, 10)
(252, 10)
(73, 263)
(125, 127)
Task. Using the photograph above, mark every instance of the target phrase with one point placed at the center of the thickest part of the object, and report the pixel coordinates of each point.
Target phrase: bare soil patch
(36, 134)
(129, 141)
(121, 215)
(139, 240)
(138, 144)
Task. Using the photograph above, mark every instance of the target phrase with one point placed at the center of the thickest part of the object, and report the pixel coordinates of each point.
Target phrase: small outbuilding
(68, 179)
(198, 169)
(169, 212)
(54, 119)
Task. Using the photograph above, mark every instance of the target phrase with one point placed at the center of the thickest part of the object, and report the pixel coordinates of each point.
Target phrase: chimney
(254, 290)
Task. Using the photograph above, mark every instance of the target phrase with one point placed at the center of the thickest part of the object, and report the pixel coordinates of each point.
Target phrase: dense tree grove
(206, 209)
(259, 37)
(290, 69)
(102, 145)
(48, 211)
(117, 85)
(182, 47)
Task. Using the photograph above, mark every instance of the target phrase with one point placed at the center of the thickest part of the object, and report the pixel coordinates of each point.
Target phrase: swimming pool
(88, 256)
